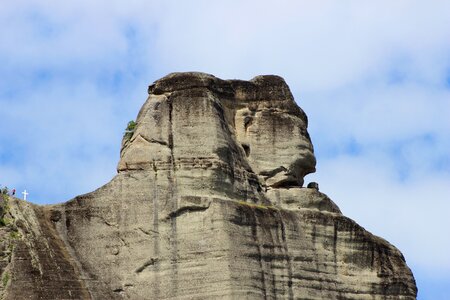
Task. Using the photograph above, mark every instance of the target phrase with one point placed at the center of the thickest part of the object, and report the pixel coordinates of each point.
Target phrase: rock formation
(208, 203)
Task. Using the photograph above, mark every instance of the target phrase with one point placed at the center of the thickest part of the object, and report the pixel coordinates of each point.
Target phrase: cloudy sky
(373, 77)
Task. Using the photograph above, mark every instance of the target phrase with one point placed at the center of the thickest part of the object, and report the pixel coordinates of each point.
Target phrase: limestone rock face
(208, 203)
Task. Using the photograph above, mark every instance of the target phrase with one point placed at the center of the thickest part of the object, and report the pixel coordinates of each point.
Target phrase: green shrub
(129, 130)
(257, 206)
(3, 209)
(5, 279)
(14, 235)
(131, 126)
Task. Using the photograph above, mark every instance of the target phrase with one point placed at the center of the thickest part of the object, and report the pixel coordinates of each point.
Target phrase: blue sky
(373, 77)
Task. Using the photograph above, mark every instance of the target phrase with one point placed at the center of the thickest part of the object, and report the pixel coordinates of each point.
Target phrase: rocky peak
(208, 203)
(254, 129)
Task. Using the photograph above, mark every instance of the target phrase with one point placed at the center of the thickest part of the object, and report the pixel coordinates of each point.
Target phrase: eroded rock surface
(208, 203)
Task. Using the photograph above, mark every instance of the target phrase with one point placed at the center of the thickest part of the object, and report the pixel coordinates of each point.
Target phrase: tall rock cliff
(208, 203)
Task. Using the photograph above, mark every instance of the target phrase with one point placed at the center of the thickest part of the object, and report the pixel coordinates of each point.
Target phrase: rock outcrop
(208, 203)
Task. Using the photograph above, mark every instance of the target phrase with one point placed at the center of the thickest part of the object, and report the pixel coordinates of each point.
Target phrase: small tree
(129, 130)
(131, 126)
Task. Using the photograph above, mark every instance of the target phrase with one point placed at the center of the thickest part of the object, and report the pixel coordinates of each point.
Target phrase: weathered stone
(207, 203)
(313, 185)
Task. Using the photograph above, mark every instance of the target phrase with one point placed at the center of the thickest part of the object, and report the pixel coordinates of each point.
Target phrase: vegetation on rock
(257, 206)
(4, 191)
(8, 237)
(131, 126)
(5, 279)
(3, 206)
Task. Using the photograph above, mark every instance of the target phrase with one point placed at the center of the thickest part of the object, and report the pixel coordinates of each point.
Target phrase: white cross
(25, 194)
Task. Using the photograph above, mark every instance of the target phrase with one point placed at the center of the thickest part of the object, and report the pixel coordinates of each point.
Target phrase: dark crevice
(155, 230)
(335, 240)
(173, 199)
(148, 263)
(169, 101)
(186, 209)
(286, 254)
(247, 122)
(285, 184)
(246, 148)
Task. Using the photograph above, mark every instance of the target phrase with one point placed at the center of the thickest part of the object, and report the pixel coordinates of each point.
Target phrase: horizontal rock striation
(208, 203)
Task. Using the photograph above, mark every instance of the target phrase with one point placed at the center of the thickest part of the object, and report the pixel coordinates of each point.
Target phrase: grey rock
(207, 203)
(313, 185)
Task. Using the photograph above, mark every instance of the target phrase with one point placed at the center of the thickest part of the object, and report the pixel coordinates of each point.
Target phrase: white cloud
(65, 139)
(379, 113)
(317, 46)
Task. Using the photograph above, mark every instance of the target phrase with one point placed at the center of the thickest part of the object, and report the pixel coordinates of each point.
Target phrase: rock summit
(208, 203)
